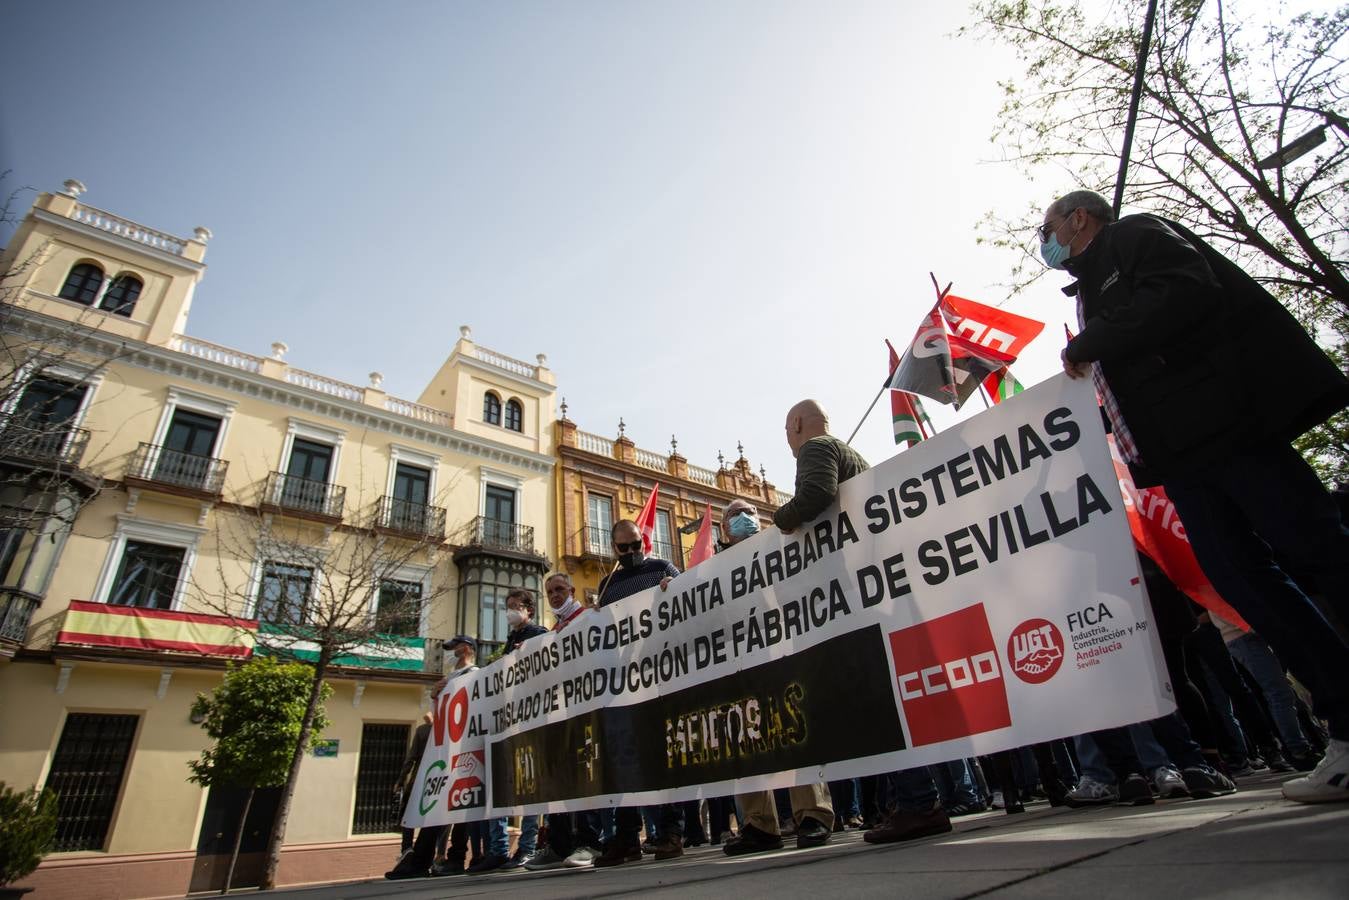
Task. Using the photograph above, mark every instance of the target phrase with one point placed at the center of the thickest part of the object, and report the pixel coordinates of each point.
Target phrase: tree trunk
(238, 839)
(278, 835)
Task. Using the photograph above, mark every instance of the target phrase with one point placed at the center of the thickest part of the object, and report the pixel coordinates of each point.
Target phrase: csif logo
(1035, 650)
(432, 786)
(948, 676)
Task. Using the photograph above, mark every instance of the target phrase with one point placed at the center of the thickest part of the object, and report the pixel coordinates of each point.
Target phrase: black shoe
(752, 840)
(1305, 762)
(616, 854)
(907, 825)
(447, 868)
(516, 861)
(1135, 791)
(489, 863)
(812, 833)
(964, 809)
(406, 868)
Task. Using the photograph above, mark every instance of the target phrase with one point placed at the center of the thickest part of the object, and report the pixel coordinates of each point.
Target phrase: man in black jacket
(1168, 328)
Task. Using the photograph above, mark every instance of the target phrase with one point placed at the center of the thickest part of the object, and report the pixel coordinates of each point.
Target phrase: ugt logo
(949, 677)
(1035, 650)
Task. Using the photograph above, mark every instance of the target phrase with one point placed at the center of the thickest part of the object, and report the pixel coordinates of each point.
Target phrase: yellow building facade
(168, 505)
(602, 480)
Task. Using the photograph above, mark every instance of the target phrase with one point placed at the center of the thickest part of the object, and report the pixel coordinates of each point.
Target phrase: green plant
(27, 831)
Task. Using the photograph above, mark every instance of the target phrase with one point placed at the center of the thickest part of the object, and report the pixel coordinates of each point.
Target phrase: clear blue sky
(701, 211)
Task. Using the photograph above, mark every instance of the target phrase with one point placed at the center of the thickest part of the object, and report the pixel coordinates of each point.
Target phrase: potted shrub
(27, 832)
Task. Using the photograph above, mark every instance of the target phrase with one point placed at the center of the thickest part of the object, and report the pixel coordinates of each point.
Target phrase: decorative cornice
(170, 362)
(538, 388)
(105, 237)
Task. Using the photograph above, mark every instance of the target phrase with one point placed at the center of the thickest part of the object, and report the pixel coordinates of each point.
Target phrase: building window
(491, 408)
(86, 777)
(411, 496)
(283, 593)
(186, 457)
(148, 575)
(599, 523)
(378, 809)
(306, 482)
(82, 284)
(663, 544)
(122, 294)
(515, 415)
(400, 608)
(485, 581)
(43, 417)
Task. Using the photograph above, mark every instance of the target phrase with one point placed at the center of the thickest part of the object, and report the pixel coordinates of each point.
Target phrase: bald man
(822, 463)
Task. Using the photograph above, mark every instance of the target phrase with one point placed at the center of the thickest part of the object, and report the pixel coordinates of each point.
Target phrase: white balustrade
(651, 460)
(781, 497)
(324, 385)
(215, 353)
(421, 413)
(703, 476)
(514, 366)
(106, 221)
(593, 443)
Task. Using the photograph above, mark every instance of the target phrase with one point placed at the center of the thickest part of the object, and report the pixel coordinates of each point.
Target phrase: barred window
(378, 809)
(86, 776)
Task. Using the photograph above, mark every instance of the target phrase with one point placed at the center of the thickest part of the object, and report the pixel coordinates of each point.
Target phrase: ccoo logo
(949, 678)
(1035, 650)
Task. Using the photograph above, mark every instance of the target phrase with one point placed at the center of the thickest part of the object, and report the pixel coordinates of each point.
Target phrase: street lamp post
(1305, 144)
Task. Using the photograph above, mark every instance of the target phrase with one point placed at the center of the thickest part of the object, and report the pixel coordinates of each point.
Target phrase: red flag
(989, 326)
(646, 519)
(702, 544)
(972, 363)
(1158, 532)
(926, 366)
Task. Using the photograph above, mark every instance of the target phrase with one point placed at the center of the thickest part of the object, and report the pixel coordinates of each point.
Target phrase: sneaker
(489, 863)
(670, 848)
(1090, 792)
(1168, 784)
(447, 867)
(787, 828)
(516, 860)
(752, 840)
(906, 825)
(1328, 782)
(964, 809)
(725, 837)
(1204, 782)
(616, 854)
(1135, 791)
(406, 868)
(1275, 760)
(855, 822)
(812, 833)
(649, 846)
(1240, 768)
(402, 855)
(544, 859)
(1305, 762)
(581, 858)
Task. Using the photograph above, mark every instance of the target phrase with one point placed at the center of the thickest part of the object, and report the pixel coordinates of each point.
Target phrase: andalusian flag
(1001, 385)
(906, 411)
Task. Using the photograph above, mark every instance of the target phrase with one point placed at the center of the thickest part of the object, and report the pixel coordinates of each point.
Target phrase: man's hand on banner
(1074, 370)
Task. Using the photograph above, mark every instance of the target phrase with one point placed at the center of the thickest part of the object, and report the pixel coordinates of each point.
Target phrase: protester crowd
(1269, 537)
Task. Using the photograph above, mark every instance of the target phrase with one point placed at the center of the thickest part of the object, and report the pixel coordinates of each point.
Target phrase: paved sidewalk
(1250, 844)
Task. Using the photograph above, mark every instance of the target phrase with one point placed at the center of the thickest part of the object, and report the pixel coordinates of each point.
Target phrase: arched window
(491, 409)
(82, 284)
(123, 291)
(515, 415)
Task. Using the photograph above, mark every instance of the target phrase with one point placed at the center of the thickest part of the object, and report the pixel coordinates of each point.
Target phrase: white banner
(976, 593)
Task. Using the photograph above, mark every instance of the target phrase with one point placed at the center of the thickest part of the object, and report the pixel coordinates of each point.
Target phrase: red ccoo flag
(989, 326)
(646, 519)
(702, 544)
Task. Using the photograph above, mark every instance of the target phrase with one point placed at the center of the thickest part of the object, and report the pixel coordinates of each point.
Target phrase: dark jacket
(522, 634)
(414, 756)
(822, 464)
(1202, 360)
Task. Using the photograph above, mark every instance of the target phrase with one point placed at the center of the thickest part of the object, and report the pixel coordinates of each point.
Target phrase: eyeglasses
(1048, 228)
(629, 547)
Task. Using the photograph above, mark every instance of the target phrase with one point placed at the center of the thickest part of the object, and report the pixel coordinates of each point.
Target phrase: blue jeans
(1093, 761)
(955, 782)
(911, 790)
(498, 842)
(1254, 654)
(1240, 513)
(529, 835)
(847, 798)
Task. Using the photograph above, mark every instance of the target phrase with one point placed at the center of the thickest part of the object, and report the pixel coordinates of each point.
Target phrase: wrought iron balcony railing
(160, 465)
(407, 517)
(45, 443)
(16, 611)
(496, 534)
(304, 497)
(598, 542)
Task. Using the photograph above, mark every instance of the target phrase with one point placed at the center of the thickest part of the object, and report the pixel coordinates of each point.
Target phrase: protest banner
(975, 593)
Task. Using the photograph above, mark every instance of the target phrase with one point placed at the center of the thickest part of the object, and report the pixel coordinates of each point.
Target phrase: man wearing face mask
(1166, 322)
(634, 574)
(812, 807)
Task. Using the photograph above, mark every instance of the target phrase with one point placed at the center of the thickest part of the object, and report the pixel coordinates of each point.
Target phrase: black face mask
(631, 560)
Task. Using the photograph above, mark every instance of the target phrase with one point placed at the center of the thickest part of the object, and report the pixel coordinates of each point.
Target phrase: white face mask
(515, 617)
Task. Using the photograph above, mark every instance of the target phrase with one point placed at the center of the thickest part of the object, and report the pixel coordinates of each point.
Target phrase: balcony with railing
(494, 534)
(159, 467)
(32, 440)
(16, 611)
(408, 518)
(598, 542)
(121, 629)
(304, 498)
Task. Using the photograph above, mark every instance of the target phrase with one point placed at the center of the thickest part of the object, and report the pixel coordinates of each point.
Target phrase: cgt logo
(463, 782)
(1035, 650)
(949, 678)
